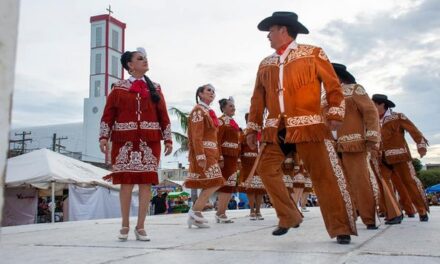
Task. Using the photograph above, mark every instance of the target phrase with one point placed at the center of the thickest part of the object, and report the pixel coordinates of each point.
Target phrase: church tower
(106, 47)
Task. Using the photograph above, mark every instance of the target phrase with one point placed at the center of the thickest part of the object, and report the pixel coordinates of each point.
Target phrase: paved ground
(244, 241)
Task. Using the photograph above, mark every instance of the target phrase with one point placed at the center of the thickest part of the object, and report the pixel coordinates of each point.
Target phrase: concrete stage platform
(244, 241)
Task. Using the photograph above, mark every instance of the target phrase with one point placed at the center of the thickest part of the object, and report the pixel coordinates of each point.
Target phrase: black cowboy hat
(288, 19)
(381, 98)
(341, 71)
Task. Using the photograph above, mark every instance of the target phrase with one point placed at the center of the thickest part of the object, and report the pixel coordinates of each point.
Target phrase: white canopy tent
(45, 169)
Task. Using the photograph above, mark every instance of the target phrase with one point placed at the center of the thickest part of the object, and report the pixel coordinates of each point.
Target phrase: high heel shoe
(192, 215)
(259, 216)
(191, 221)
(223, 219)
(139, 236)
(123, 236)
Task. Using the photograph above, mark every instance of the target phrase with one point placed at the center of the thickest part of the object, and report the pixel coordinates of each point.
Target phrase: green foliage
(417, 164)
(182, 139)
(429, 177)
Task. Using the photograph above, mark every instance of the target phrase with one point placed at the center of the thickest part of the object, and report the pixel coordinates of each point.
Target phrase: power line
(56, 144)
(22, 141)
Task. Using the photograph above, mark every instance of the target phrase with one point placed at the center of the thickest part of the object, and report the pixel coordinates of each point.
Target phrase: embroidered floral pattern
(214, 171)
(255, 183)
(201, 157)
(337, 110)
(271, 122)
(150, 125)
(271, 60)
(373, 181)
(288, 181)
(128, 160)
(372, 133)
(300, 52)
(322, 55)
(360, 90)
(124, 126)
(347, 89)
(192, 175)
(350, 137)
(337, 171)
(123, 84)
(304, 120)
(250, 154)
(392, 152)
(308, 183)
(167, 133)
(197, 116)
(232, 180)
(253, 126)
(418, 183)
(299, 178)
(227, 144)
(209, 144)
(104, 130)
(391, 117)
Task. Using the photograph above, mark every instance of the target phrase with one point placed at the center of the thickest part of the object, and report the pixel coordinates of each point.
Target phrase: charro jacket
(361, 122)
(394, 146)
(288, 88)
(129, 117)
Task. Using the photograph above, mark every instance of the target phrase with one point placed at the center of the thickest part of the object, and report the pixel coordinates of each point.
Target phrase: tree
(429, 177)
(181, 138)
(417, 165)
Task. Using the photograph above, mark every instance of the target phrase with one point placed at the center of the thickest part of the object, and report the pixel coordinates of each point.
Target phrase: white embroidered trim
(253, 126)
(192, 175)
(418, 183)
(197, 116)
(201, 157)
(350, 137)
(402, 116)
(373, 181)
(230, 145)
(300, 52)
(288, 182)
(308, 183)
(304, 120)
(337, 110)
(250, 154)
(360, 90)
(322, 55)
(271, 122)
(271, 60)
(299, 178)
(104, 130)
(123, 83)
(214, 171)
(209, 144)
(372, 133)
(232, 180)
(142, 160)
(150, 125)
(256, 183)
(391, 117)
(337, 171)
(166, 132)
(392, 152)
(422, 144)
(124, 126)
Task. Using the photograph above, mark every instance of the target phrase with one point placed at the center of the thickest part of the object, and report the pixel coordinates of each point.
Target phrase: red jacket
(129, 117)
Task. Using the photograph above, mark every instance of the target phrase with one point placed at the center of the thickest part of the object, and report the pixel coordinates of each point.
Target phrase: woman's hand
(103, 145)
(168, 149)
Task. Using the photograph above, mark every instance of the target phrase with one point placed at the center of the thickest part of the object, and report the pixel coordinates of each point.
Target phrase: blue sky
(390, 46)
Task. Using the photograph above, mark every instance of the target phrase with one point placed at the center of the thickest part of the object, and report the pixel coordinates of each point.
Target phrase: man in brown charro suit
(288, 87)
(396, 155)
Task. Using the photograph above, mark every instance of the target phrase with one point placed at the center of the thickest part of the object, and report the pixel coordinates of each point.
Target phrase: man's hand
(103, 145)
(422, 152)
(334, 125)
(202, 164)
(168, 149)
(251, 140)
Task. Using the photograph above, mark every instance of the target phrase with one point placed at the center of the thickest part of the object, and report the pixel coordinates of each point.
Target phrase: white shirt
(282, 58)
(132, 79)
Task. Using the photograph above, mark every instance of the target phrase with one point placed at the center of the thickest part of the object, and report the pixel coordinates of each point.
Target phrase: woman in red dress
(228, 140)
(135, 119)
